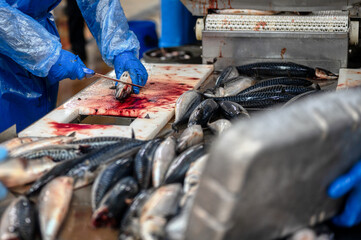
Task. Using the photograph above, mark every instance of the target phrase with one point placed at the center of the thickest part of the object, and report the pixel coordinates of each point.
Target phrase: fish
(19, 220)
(279, 81)
(293, 90)
(143, 163)
(114, 203)
(300, 96)
(40, 144)
(108, 177)
(184, 107)
(85, 172)
(99, 142)
(19, 171)
(122, 91)
(17, 142)
(236, 85)
(232, 110)
(219, 126)
(179, 167)
(191, 136)
(53, 205)
(57, 155)
(284, 69)
(257, 100)
(177, 226)
(163, 157)
(162, 205)
(130, 223)
(227, 73)
(203, 113)
(78, 167)
(193, 175)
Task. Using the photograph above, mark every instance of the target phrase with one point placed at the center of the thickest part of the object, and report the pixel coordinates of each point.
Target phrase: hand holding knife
(90, 73)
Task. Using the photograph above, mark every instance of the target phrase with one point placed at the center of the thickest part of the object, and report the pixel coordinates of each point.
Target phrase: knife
(90, 73)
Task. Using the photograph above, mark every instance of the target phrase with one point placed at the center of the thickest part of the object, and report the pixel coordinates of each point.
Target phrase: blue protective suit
(30, 46)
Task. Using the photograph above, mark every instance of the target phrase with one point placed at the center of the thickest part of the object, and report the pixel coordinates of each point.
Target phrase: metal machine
(313, 33)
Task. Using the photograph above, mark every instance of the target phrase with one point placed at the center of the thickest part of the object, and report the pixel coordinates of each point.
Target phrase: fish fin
(72, 134)
(175, 127)
(112, 87)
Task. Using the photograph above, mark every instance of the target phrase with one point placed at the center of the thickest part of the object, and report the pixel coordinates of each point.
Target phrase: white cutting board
(152, 108)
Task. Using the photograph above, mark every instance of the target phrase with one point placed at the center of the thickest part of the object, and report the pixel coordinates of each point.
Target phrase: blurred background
(75, 37)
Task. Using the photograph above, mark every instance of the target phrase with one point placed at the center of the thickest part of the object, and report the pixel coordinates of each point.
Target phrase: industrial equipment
(313, 33)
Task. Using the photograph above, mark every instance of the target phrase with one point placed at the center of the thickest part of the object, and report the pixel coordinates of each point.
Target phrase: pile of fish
(144, 188)
(138, 186)
(239, 90)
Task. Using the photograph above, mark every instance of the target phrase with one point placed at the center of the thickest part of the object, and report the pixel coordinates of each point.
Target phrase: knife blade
(90, 73)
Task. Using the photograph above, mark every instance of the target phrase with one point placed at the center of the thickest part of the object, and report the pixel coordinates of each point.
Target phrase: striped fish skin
(80, 166)
(227, 74)
(99, 140)
(54, 202)
(57, 155)
(258, 100)
(19, 220)
(107, 178)
(114, 203)
(203, 113)
(286, 69)
(179, 167)
(294, 90)
(143, 163)
(40, 144)
(279, 81)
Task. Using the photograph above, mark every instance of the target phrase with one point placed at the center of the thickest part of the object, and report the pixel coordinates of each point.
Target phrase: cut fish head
(325, 74)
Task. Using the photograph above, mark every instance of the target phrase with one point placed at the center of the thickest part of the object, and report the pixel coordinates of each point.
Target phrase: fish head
(101, 217)
(325, 74)
(122, 91)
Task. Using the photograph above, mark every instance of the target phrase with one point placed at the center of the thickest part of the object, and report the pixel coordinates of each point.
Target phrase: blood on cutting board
(63, 129)
(158, 94)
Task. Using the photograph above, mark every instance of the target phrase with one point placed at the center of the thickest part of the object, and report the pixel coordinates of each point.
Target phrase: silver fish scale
(324, 21)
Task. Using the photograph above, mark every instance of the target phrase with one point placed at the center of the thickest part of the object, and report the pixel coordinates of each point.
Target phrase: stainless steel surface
(326, 50)
(201, 7)
(268, 176)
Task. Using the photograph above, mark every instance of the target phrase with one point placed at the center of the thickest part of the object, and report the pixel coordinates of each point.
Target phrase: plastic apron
(24, 97)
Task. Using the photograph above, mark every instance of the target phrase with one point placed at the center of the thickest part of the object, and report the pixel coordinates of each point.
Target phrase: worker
(3, 155)
(349, 183)
(32, 61)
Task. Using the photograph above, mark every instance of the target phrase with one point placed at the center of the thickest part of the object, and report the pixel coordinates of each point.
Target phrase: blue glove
(348, 183)
(127, 61)
(67, 66)
(3, 155)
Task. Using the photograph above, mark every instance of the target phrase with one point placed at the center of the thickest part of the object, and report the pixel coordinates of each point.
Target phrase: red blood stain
(67, 128)
(159, 94)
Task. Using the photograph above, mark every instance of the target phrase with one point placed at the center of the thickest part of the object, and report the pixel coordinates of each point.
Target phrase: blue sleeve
(27, 42)
(109, 26)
